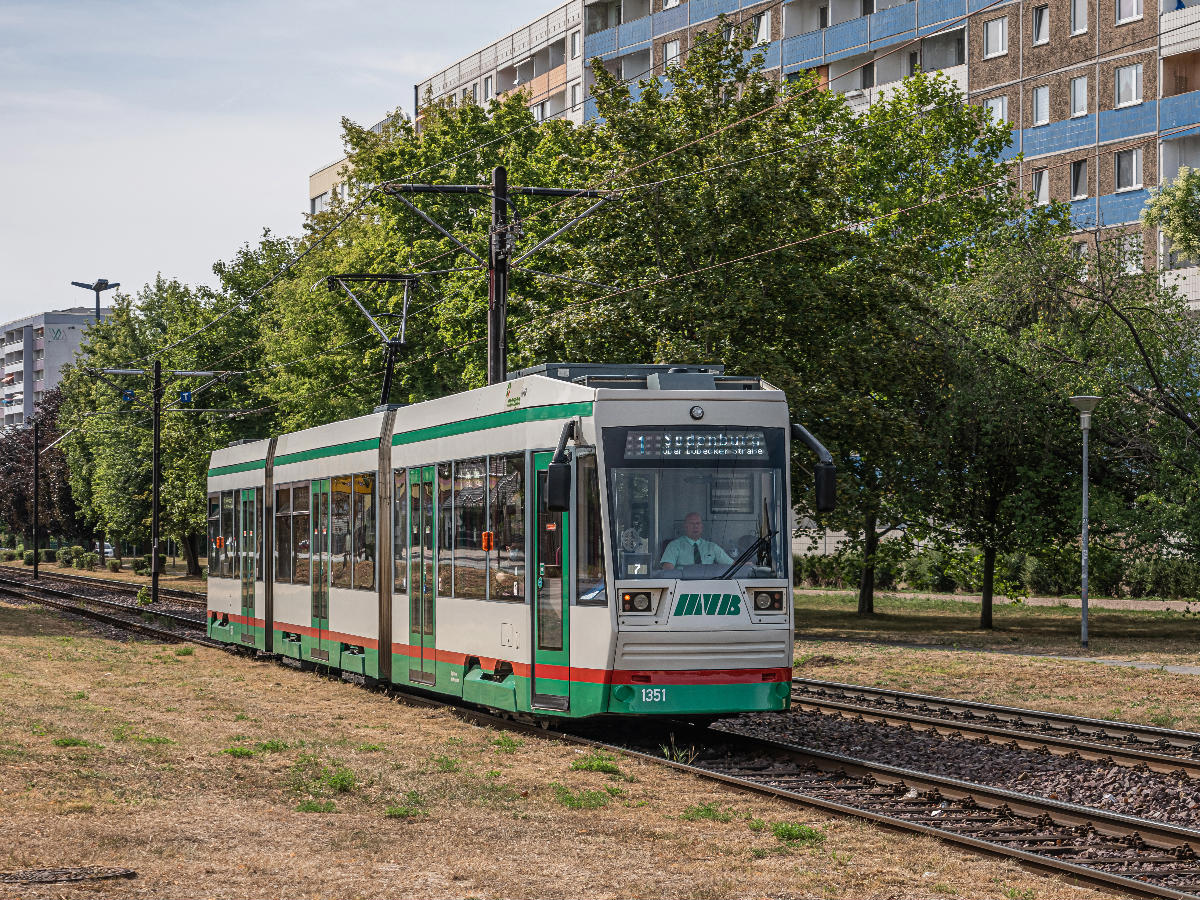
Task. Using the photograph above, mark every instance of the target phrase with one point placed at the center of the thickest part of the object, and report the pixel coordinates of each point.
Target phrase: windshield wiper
(762, 542)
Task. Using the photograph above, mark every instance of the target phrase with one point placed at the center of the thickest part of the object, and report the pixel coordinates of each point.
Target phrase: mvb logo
(708, 605)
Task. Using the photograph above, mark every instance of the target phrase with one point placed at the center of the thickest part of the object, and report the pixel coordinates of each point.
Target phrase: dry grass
(1168, 636)
(424, 805)
(174, 576)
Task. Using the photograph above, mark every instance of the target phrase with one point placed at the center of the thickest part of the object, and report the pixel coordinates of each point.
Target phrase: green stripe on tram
(238, 467)
(495, 420)
(335, 450)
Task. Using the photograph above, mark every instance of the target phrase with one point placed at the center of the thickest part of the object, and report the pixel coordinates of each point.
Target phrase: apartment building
(34, 352)
(545, 59)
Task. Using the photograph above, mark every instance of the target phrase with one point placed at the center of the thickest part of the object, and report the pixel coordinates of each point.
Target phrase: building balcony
(542, 86)
(1180, 30)
(39, 343)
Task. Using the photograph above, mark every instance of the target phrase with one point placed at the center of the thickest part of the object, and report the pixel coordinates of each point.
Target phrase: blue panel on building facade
(1124, 207)
(1128, 121)
(893, 39)
(1059, 136)
(1011, 151)
(930, 11)
(703, 9)
(589, 109)
(601, 42)
(634, 32)
(1182, 109)
(977, 5)
(888, 22)
(845, 35)
(1083, 213)
(670, 19)
(803, 49)
(770, 55)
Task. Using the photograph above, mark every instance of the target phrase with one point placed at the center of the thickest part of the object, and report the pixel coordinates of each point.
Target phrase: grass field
(212, 775)
(1161, 637)
(836, 644)
(174, 576)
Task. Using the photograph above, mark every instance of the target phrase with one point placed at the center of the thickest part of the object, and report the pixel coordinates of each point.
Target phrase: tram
(582, 540)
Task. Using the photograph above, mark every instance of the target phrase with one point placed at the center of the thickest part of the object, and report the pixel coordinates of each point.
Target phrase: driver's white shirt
(680, 552)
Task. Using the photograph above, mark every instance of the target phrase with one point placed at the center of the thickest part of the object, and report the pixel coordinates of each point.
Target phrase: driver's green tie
(696, 554)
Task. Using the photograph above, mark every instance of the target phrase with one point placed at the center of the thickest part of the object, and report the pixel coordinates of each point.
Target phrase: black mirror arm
(568, 434)
(802, 434)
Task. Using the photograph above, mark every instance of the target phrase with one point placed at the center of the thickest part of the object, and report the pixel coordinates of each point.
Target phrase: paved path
(1070, 602)
(1101, 660)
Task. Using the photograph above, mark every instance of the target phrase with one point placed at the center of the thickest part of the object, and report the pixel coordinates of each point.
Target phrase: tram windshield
(696, 503)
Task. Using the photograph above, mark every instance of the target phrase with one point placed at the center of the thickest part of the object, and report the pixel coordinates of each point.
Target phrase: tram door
(319, 553)
(422, 582)
(551, 679)
(247, 546)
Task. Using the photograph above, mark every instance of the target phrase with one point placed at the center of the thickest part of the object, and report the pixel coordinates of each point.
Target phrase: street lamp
(1085, 405)
(102, 284)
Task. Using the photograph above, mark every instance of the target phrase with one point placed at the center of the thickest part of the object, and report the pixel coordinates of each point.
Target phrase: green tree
(1175, 208)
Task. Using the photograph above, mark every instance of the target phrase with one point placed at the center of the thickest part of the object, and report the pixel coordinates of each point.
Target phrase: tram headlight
(768, 600)
(635, 602)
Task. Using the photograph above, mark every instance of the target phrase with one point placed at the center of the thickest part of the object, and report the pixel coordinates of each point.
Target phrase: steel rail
(189, 598)
(80, 607)
(1010, 737)
(1105, 733)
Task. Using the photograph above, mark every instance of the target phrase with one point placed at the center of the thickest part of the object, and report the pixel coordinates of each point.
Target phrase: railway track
(1119, 743)
(112, 612)
(184, 598)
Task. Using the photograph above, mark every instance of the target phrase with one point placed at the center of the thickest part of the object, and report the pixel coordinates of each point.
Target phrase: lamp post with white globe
(1085, 405)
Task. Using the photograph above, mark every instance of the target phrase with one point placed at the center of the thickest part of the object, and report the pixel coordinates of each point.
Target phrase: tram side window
(342, 545)
(283, 534)
(470, 521)
(301, 539)
(214, 535)
(229, 535)
(445, 529)
(506, 521)
(364, 532)
(590, 588)
(400, 531)
(259, 523)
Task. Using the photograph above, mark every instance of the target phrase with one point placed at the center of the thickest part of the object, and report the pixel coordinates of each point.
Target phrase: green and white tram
(581, 540)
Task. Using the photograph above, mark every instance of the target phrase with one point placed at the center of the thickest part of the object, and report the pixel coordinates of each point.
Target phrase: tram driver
(690, 548)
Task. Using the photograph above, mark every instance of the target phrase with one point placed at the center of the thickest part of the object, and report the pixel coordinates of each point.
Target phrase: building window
(762, 28)
(1129, 85)
(1129, 169)
(1079, 103)
(997, 108)
(1128, 10)
(995, 37)
(574, 45)
(670, 52)
(539, 112)
(667, 4)
(574, 95)
(1079, 184)
(487, 87)
(823, 17)
(1078, 16)
(1041, 25)
(319, 203)
(1041, 105)
(1041, 187)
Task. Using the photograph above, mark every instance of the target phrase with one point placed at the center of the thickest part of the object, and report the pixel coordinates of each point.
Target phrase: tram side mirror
(826, 475)
(558, 487)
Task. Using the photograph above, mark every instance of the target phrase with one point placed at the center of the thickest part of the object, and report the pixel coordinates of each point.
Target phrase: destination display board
(682, 443)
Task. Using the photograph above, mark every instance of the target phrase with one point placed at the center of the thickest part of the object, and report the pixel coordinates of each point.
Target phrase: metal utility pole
(501, 244)
(36, 497)
(498, 250)
(155, 479)
(101, 284)
(1085, 405)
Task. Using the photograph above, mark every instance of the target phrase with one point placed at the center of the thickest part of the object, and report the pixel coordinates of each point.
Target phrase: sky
(144, 137)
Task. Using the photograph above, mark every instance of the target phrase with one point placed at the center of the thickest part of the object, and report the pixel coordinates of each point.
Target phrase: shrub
(65, 557)
(77, 556)
(930, 570)
(144, 597)
(1163, 576)
(114, 565)
(8, 555)
(90, 561)
(28, 557)
(48, 555)
(162, 562)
